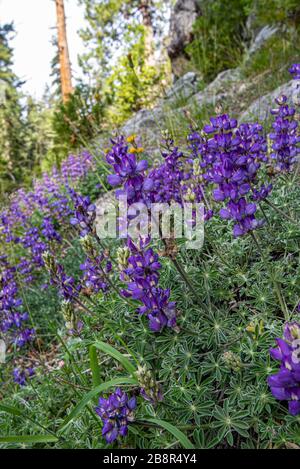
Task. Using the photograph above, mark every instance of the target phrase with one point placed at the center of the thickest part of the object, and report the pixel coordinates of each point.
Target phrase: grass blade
(181, 437)
(11, 410)
(94, 366)
(109, 350)
(28, 439)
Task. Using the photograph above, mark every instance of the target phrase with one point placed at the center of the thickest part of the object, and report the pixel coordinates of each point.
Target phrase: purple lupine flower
(231, 158)
(13, 320)
(21, 375)
(160, 311)
(262, 193)
(24, 336)
(141, 274)
(143, 263)
(93, 273)
(96, 266)
(167, 178)
(116, 412)
(31, 240)
(222, 122)
(66, 284)
(84, 213)
(285, 385)
(128, 171)
(49, 231)
(285, 136)
(295, 71)
(244, 214)
(76, 167)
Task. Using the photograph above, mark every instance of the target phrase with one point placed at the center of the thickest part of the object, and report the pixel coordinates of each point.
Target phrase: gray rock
(183, 16)
(147, 124)
(218, 89)
(145, 119)
(260, 108)
(183, 88)
(223, 81)
(264, 34)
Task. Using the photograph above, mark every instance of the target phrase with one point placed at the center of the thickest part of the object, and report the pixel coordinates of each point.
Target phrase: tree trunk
(64, 61)
(145, 9)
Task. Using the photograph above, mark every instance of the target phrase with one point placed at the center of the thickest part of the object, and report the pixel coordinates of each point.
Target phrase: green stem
(280, 212)
(275, 283)
(264, 214)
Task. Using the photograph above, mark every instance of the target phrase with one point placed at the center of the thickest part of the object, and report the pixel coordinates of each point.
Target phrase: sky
(34, 22)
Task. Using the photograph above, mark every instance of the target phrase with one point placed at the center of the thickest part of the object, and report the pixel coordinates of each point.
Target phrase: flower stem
(281, 212)
(265, 215)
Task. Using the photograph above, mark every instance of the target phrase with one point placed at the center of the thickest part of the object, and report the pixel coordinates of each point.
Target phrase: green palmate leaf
(94, 366)
(185, 442)
(28, 439)
(90, 395)
(106, 348)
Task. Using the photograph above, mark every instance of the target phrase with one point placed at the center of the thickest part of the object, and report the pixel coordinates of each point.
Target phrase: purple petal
(114, 179)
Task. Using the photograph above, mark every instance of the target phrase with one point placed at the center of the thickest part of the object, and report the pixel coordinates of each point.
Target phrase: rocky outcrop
(183, 16)
(144, 119)
(260, 108)
(183, 88)
(220, 88)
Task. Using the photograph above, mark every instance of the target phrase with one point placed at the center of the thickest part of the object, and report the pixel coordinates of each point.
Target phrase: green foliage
(121, 54)
(276, 11)
(133, 83)
(218, 42)
(221, 34)
(109, 22)
(6, 53)
(279, 50)
(38, 139)
(78, 120)
(11, 137)
(11, 119)
(93, 184)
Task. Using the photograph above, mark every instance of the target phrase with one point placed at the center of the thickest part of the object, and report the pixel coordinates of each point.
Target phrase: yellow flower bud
(131, 138)
(132, 150)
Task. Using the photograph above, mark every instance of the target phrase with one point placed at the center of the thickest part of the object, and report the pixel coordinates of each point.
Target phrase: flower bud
(232, 361)
(190, 195)
(122, 257)
(87, 244)
(49, 261)
(150, 389)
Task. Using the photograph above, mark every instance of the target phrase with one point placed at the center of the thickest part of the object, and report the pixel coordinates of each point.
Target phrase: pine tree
(11, 120)
(123, 40)
(114, 26)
